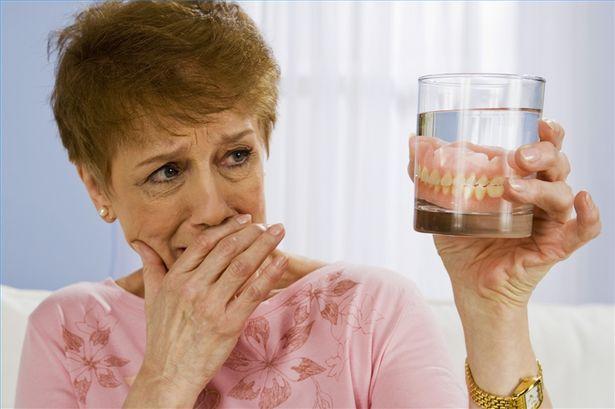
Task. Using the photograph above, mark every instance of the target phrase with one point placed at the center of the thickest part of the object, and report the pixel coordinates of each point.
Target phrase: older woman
(166, 109)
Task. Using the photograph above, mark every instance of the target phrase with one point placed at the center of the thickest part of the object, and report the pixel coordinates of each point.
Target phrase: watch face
(532, 398)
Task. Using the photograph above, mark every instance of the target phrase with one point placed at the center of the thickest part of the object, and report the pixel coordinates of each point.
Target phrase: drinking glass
(468, 128)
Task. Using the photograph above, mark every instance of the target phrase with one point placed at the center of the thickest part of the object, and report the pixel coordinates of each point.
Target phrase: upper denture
(450, 174)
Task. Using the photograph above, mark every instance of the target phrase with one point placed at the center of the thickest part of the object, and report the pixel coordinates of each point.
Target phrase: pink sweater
(343, 336)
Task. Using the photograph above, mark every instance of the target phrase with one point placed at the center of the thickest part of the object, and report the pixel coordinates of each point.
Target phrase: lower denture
(473, 191)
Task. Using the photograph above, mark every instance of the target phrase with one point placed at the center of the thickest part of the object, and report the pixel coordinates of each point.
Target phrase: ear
(99, 198)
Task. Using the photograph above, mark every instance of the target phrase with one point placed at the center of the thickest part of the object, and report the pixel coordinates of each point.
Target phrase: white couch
(575, 344)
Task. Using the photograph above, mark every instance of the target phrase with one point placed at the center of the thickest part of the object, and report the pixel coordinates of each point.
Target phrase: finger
(551, 131)
(245, 303)
(242, 267)
(196, 252)
(554, 198)
(559, 172)
(221, 256)
(585, 227)
(537, 157)
(154, 270)
(258, 272)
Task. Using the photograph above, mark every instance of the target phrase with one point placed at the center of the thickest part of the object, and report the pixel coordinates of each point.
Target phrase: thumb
(154, 270)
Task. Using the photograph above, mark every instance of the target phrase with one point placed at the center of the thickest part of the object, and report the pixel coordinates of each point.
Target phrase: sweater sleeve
(43, 380)
(416, 370)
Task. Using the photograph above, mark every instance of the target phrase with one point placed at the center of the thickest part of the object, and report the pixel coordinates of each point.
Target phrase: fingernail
(550, 124)
(588, 200)
(530, 154)
(516, 184)
(276, 229)
(243, 218)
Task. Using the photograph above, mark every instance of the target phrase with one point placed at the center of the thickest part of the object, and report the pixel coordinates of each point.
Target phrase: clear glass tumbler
(468, 128)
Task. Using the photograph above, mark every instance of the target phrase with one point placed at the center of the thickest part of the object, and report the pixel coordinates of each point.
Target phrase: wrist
(499, 350)
(487, 309)
(150, 389)
(497, 364)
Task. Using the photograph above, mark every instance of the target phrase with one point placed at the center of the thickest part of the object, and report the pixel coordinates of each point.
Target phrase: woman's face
(171, 189)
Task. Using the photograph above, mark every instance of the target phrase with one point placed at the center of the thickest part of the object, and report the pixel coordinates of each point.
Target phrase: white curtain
(337, 173)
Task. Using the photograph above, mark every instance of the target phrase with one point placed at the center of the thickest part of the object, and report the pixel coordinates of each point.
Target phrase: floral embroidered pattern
(271, 371)
(270, 365)
(268, 361)
(86, 356)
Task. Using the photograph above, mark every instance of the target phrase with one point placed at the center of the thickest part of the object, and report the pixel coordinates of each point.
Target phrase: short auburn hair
(122, 61)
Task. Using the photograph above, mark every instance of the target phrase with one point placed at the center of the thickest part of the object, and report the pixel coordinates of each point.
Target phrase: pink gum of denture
(463, 177)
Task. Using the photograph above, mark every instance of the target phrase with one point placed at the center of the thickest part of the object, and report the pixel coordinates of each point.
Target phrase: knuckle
(256, 229)
(567, 198)
(188, 291)
(254, 292)
(228, 246)
(551, 153)
(594, 233)
(238, 268)
(204, 242)
(207, 311)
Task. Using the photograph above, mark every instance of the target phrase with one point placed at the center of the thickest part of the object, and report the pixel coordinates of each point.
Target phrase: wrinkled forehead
(217, 128)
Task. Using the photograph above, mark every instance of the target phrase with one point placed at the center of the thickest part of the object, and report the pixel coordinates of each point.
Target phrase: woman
(166, 109)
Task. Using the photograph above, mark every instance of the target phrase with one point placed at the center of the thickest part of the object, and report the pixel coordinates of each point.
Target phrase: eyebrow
(167, 156)
(225, 138)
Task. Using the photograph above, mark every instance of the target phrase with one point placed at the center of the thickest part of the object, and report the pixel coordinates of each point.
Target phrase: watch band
(489, 401)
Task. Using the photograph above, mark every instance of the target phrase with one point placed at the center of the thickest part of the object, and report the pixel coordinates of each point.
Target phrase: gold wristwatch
(527, 395)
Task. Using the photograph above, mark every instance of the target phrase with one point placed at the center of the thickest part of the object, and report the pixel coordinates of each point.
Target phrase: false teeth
(495, 190)
(424, 175)
(471, 179)
(467, 192)
(459, 185)
(434, 177)
(479, 192)
(447, 179)
(483, 181)
(459, 180)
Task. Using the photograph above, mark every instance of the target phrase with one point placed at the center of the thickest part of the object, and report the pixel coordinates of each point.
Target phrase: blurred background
(337, 172)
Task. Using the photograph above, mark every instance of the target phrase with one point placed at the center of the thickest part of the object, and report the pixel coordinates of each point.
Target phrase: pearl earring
(103, 211)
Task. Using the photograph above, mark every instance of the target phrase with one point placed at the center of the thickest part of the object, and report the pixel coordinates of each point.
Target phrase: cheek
(153, 223)
(250, 198)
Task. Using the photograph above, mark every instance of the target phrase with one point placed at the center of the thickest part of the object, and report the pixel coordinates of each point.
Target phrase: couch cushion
(575, 345)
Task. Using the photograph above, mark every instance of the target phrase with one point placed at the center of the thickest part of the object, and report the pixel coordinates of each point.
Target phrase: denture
(462, 177)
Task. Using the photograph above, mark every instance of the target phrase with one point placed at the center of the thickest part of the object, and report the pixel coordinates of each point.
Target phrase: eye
(165, 174)
(237, 157)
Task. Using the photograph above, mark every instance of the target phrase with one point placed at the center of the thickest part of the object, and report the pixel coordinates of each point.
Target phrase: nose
(208, 201)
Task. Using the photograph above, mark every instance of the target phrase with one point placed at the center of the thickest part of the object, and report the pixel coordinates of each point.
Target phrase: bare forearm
(498, 348)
